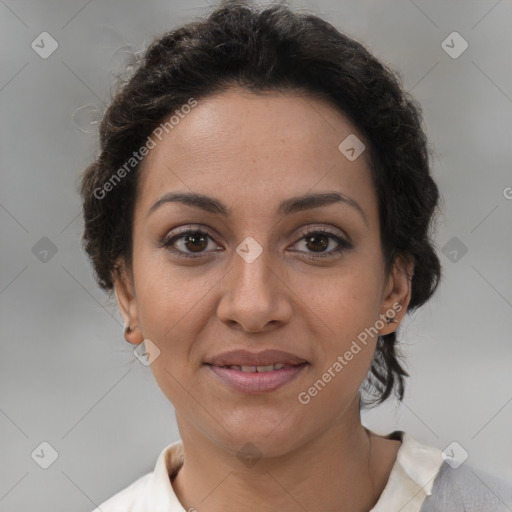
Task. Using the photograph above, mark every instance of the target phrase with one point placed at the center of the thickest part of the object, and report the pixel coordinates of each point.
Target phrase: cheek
(169, 317)
(345, 353)
(168, 296)
(168, 310)
(346, 301)
(348, 310)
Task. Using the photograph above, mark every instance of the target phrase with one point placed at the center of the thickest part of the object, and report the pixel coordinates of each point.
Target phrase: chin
(273, 434)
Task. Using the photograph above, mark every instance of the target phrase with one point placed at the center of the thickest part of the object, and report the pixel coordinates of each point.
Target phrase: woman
(261, 207)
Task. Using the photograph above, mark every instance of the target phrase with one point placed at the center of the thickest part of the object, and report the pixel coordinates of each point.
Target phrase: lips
(258, 369)
(260, 372)
(260, 360)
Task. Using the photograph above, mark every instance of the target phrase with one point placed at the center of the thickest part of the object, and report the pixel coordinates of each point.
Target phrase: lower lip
(252, 382)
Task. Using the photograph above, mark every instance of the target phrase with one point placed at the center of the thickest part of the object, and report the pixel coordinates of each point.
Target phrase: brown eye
(189, 243)
(195, 242)
(317, 242)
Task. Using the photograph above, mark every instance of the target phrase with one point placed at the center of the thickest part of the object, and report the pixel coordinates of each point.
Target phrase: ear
(397, 293)
(127, 302)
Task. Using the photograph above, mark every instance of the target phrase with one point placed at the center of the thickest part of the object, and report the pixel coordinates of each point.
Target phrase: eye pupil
(195, 236)
(324, 243)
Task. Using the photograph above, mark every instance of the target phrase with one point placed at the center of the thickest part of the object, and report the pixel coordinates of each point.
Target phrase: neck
(335, 471)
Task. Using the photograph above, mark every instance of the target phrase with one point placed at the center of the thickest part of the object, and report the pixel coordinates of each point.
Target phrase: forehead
(252, 148)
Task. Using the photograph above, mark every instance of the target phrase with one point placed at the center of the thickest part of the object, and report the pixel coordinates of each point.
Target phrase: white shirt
(410, 481)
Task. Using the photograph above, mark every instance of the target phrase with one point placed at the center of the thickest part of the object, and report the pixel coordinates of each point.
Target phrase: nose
(255, 295)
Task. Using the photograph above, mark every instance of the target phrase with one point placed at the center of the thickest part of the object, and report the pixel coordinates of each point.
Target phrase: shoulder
(425, 479)
(130, 499)
(152, 492)
(411, 477)
(465, 488)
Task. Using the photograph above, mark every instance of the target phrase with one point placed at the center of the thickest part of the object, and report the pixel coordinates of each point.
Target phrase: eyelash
(170, 240)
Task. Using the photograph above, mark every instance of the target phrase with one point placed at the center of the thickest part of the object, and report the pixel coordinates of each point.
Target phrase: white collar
(412, 476)
(161, 496)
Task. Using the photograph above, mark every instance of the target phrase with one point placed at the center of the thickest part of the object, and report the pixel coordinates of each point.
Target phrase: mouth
(256, 373)
(258, 369)
(263, 359)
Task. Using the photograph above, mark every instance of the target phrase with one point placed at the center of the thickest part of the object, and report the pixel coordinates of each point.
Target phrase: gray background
(67, 376)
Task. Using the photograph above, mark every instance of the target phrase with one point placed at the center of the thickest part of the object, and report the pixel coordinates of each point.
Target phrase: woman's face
(255, 280)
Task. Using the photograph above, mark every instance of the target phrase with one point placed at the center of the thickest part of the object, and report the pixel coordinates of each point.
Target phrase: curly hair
(274, 49)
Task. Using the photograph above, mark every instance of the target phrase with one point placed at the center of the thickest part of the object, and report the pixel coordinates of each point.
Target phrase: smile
(259, 369)
(257, 379)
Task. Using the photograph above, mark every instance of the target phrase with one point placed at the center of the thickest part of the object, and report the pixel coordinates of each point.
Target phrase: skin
(251, 152)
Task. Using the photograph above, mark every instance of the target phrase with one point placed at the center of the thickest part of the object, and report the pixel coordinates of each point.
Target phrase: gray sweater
(465, 489)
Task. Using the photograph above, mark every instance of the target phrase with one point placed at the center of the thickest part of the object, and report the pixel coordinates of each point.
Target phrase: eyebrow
(287, 207)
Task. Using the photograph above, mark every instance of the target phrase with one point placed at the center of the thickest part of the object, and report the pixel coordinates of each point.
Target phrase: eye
(187, 239)
(193, 243)
(318, 240)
